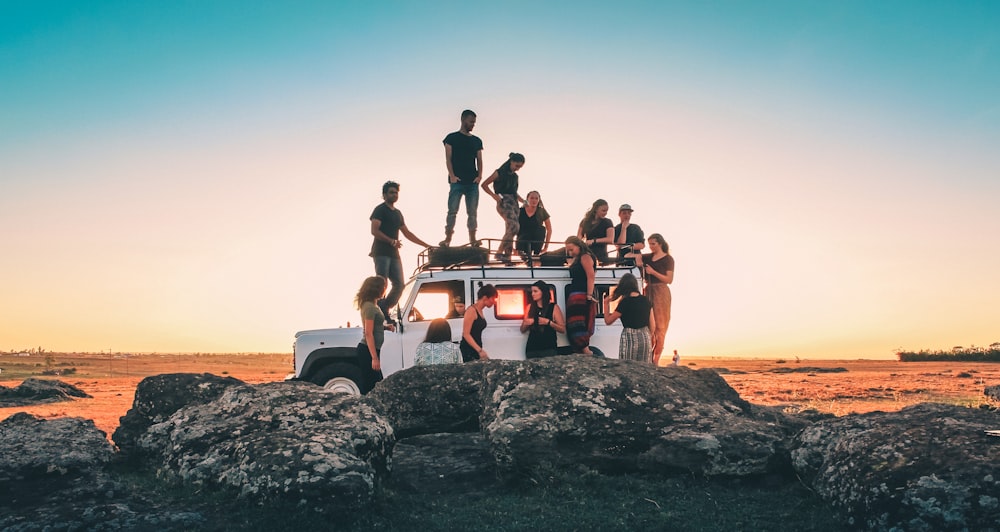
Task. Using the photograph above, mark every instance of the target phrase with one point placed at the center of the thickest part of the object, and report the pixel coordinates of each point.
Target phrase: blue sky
(187, 175)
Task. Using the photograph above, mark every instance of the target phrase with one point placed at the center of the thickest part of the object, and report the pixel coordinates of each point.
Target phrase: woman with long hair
(504, 180)
(542, 321)
(535, 226)
(658, 268)
(596, 230)
(474, 324)
(581, 306)
(637, 316)
(373, 321)
(437, 347)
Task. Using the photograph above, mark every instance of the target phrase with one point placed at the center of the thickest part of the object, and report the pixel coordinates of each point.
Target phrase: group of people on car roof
(645, 317)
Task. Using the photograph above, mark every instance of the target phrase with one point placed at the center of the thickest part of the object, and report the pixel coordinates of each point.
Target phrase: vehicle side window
(435, 300)
(511, 302)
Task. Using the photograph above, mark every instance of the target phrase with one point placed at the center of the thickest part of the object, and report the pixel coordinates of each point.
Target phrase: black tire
(342, 377)
(597, 352)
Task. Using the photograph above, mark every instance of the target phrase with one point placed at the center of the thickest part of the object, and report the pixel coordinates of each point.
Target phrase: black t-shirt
(633, 234)
(464, 149)
(600, 230)
(532, 227)
(392, 220)
(634, 311)
(506, 181)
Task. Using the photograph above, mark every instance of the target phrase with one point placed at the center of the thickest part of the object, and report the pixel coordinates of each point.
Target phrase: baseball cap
(625, 207)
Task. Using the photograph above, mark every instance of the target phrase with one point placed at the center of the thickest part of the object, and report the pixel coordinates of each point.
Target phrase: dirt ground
(838, 387)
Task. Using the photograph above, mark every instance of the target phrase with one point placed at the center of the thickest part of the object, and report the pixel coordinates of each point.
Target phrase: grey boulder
(927, 467)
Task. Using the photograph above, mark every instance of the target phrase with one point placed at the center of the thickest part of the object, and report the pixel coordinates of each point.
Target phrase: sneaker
(445, 243)
(502, 257)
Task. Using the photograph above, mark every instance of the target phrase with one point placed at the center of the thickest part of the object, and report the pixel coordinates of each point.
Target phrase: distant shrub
(957, 353)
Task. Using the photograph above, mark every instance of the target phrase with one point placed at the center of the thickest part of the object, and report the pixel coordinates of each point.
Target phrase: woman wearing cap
(637, 316)
(596, 230)
(542, 321)
(474, 324)
(581, 306)
(658, 267)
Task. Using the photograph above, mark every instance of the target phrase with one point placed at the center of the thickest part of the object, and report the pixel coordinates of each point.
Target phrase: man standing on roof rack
(628, 236)
(387, 222)
(463, 155)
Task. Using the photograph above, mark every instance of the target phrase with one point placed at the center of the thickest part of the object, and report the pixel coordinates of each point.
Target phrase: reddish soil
(865, 386)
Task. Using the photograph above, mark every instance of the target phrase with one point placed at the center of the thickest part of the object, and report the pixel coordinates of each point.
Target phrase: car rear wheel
(341, 377)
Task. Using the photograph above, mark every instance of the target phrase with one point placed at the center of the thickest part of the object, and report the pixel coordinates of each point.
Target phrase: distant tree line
(957, 353)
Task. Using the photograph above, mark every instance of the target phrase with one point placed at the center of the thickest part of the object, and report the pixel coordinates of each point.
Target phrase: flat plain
(837, 387)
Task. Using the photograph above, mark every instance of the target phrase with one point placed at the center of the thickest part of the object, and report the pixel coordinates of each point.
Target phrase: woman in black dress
(474, 324)
(542, 321)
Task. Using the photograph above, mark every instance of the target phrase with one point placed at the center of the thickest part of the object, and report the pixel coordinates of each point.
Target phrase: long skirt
(636, 344)
(580, 314)
(659, 297)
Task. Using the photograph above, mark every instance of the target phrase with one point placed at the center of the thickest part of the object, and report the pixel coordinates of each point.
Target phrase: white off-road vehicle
(328, 357)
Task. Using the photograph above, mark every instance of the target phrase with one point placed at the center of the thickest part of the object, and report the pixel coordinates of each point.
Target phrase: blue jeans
(391, 268)
(471, 193)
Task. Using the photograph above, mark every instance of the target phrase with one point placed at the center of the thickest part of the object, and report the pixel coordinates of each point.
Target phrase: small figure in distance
(658, 267)
(628, 236)
(457, 308)
(535, 227)
(542, 320)
(581, 306)
(463, 155)
(504, 180)
(372, 319)
(637, 316)
(596, 230)
(474, 324)
(387, 223)
(437, 347)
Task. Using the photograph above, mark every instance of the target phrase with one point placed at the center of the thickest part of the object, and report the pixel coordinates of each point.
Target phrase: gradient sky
(198, 175)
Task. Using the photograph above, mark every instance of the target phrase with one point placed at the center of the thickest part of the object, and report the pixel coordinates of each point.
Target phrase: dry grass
(866, 386)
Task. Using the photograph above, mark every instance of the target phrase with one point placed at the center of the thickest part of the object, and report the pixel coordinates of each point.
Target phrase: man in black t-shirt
(463, 153)
(387, 222)
(628, 236)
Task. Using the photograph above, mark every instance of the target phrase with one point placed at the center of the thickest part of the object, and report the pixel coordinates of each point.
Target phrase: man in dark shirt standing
(463, 154)
(628, 236)
(387, 222)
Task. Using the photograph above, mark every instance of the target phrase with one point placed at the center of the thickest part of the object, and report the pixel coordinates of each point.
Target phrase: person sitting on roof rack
(596, 230)
(535, 227)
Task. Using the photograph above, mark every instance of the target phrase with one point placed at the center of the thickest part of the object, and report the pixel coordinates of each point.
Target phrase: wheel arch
(323, 357)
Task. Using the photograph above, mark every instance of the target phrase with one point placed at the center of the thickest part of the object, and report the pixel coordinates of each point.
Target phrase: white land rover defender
(328, 357)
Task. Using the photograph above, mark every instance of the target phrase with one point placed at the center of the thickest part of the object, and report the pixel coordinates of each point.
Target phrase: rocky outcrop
(452, 464)
(993, 392)
(39, 391)
(38, 455)
(431, 399)
(286, 442)
(926, 467)
(159, 396)
(617, 415)
(53, 476)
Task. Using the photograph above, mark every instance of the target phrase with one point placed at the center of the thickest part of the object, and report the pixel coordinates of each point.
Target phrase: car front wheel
(341, 377)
